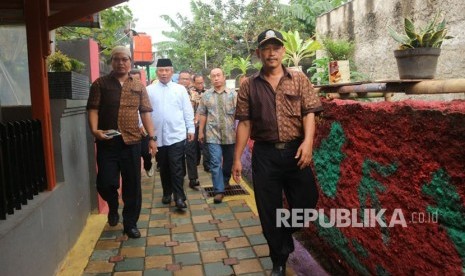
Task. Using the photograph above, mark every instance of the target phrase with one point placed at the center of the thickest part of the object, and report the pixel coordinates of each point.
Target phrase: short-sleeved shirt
(119, 105)
(219, 108)
(195, 96)
(276, 115)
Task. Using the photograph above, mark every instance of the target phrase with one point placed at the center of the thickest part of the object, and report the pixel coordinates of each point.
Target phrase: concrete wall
(86, 51)
(35, 240)
(366, 22)
(403, 155)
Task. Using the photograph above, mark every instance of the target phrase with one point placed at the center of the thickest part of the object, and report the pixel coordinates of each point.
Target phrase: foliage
(243, 64)
(217, 29)
(338, 49)
(298, 49)
(430, 36)
(59, 62)
(115, 24)
(319, 71)
(221, 28)
(228, 66)
(306, 12)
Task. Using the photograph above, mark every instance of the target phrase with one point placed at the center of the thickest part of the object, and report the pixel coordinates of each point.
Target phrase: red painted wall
(405, 155)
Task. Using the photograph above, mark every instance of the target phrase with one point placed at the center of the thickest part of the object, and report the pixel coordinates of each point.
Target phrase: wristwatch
(154, 138)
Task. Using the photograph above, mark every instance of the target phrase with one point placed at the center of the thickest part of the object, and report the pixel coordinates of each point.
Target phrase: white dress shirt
(172, 112)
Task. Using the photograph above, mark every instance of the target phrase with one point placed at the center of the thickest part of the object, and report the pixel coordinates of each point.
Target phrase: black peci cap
(164, 62)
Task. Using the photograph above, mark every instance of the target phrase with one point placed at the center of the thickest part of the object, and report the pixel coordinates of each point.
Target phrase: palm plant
(242, 64)
(298, 49)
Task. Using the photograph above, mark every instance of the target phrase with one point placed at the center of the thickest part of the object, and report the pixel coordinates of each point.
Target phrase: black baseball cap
(268, 35)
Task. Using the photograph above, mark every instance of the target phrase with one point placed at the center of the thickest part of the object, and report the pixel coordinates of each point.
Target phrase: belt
(282, 145)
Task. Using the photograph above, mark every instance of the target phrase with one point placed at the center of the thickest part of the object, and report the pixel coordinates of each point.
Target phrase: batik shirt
(119, 105)
(219, 108)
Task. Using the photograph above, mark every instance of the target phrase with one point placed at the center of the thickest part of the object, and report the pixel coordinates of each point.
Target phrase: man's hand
(143, 131)
(304, 154)
(237, 171)
(100, 134)
(201, 137)
(190, 137)
(153, 149)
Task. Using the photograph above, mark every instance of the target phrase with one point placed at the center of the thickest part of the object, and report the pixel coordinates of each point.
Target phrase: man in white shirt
(172, 116)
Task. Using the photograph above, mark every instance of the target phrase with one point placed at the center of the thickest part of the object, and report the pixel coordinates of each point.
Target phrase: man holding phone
(114, 104)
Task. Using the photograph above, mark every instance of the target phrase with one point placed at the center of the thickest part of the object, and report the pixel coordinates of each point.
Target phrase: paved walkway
(206, 239)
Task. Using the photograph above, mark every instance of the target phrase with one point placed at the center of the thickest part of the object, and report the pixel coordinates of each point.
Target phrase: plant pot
(418, 63)
(295, 68)
(339, 71)
(68, 85)
(231, 83)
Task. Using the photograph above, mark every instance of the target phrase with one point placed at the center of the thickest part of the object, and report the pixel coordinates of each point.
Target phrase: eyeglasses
(117, 60)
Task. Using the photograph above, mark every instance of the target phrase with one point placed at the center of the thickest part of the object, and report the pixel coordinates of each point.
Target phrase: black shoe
(193, 183)
(180, 204)
(278, 270)
(113, 219)
(166, 199)
(218, 198)
(206, 169)
(132, 233)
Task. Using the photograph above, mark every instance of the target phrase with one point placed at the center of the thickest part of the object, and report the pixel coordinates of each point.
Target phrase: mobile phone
(112, 133)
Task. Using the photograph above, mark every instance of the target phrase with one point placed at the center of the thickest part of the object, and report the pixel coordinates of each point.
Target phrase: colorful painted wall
(407, 156)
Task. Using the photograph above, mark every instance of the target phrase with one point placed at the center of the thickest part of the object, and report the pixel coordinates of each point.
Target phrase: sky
(148, 12)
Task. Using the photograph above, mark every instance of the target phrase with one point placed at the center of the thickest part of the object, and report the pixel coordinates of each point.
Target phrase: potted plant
(298, 49)
(64, 78)
(335, 58)
(340, 52)
(419, 48)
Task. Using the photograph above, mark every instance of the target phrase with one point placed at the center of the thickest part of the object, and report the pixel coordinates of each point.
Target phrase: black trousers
(191, 156)
(206, 154)
(274, 171)
(170, 159)
(144, 152)
(114, 157)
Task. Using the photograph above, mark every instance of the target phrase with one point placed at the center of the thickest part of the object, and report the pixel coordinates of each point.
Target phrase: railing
(22, 164)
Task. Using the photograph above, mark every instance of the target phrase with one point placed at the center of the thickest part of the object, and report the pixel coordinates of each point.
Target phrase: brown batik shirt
(276, 115)
(119, 105)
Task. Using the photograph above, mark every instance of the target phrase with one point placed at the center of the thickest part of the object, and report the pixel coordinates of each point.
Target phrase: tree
(217, 29)
(306, 12)
(115, 24)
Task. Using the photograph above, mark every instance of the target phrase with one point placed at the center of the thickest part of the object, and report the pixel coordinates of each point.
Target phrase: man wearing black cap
(114, 104)
(277, 107)
(172, 115)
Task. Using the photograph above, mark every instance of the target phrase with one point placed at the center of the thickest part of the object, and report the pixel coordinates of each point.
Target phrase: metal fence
(22, 164)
